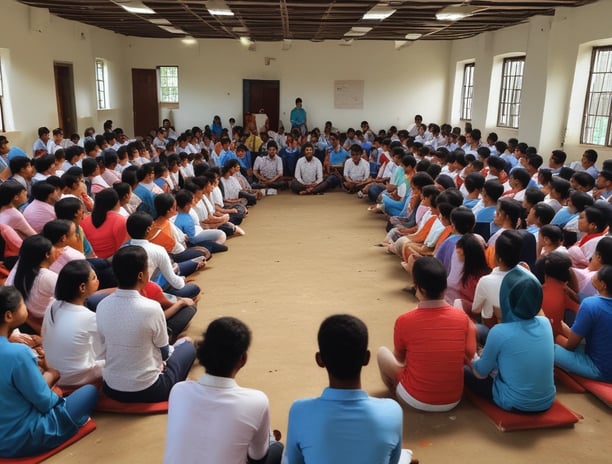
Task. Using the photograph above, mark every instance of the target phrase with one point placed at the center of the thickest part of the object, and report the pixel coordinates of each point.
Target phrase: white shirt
(215, 420)
(231, 187)
(307, 172)
(158, 259)
(486, 296)
(357, 172)
(132, 329)
(72, 343)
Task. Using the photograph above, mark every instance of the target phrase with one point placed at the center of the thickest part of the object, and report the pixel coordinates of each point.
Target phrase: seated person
(431, 343)
(474, 183)
(593, 223)
(485, 209)
(558, 297)
(140, 366)
(40, 210)
(215, 417)
(70, 333)
(33, 418)
(268, 170)
(187, 222)
(356, 172)
(308, 178)
(515, 368)
(473, 266)
(344, 424)
(139, 227)
(334, 160)
(105, 228)
(593, 323)
(13, 196)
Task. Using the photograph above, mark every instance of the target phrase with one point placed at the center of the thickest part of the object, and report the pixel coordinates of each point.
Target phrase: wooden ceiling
(267, 20)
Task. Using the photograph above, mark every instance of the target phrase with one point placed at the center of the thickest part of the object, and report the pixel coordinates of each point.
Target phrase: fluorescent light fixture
(358, 31)
(189, 40)
(172, 29)
(413, 36)
(456, 12)
(160, 21)
(246, 41)
(134, 7)
(379, 12)
(218, 8)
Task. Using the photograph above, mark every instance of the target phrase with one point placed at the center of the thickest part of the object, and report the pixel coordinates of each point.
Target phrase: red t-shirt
(435, 341)
(554, 303)
(108, 238)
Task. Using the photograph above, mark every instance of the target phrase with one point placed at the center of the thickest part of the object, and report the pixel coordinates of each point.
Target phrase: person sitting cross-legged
(141, 365)
(214, 419)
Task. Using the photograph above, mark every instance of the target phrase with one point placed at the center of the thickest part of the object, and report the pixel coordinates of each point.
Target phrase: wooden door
(64, 95)
(144, 101)
(257, 95)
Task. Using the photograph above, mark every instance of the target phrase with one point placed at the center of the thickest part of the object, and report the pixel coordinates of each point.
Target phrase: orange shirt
(554, 303)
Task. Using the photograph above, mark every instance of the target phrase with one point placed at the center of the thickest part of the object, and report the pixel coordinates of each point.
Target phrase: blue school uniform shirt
(563, 216)
(184, 222)
(336, 158)
(594, 323)
(33, 418)
(344, 426)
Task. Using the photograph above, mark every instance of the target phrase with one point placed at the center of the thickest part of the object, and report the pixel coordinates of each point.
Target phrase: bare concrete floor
(304, 258)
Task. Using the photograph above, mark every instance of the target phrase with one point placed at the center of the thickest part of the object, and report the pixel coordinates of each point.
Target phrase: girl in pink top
(12, 196)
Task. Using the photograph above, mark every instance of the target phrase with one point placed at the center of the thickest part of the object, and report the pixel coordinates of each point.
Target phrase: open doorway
(258, 95)
(64, 93)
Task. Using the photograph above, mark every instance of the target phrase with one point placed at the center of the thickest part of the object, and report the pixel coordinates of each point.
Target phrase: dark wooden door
(64, 94)
(257, 95)
(144, 101)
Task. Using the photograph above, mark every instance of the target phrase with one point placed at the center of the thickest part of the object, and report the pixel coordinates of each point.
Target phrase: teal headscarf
(520, 295)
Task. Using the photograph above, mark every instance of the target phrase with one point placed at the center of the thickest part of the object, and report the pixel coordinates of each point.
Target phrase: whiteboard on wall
(348, 95)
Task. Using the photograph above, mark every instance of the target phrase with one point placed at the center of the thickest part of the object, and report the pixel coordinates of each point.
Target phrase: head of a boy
(429, 278)
(343, 346)
(223, 350)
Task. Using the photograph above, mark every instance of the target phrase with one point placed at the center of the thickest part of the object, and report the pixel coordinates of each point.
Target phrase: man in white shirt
(308, 178)
(356, 171)
(214, 419)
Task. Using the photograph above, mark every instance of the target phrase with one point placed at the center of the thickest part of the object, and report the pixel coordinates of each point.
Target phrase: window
(168, 84)
(510, 93)
(101, 85)
(2, 127)
(467, 91)
(598, 106)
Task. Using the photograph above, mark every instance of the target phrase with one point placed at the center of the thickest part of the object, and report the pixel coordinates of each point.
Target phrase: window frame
(101, 77)
(607, 142)
(467, 91)
(168, 94)
(510, 92)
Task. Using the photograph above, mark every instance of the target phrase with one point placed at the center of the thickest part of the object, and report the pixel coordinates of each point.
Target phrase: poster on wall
(348, 95)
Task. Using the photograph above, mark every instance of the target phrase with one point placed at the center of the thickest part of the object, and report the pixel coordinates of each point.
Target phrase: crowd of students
(98, 238)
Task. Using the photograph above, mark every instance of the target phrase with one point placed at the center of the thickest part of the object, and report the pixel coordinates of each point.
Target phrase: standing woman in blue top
(217, 128)
(33, 419)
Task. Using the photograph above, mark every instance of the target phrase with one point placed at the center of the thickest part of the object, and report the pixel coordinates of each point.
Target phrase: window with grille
(598, 106)
(510, 92)
(101, 85)
(168, 84)
(467, 90)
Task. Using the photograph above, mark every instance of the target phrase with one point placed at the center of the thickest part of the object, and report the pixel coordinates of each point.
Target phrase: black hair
(445, 209)
(421, 179)
(596, 215)
(535, 161)
(129, 176)
(558, 156)
(138, 223)
(483, 152)
(474, 181)
(475, 262)
(604, 249)
(10, 300)
(163, 203)
(230, 164)
(409, 161)
(561, 186)
(508, 247)
(43, 131)
(444, 180)
(42, 190)
(56, 229)
(463, 219)
(451, 195)
(18, 163)
(552, 232)
(512, 209)
(183, 198)
(431, 192)
(34, 250)
(544, 212)
(534, 195)
(89, 166)
(605, 275)
(581, 200)
(105, 201)
(496, 162)
(430, 276)
(591, 155)
(70, 278)
(122, 189)
(67, 208)
(144, 171)
(128, 262)
(8, 191)
(44, 162)
(224, 342)
(557, 265)
(584, 179)
(110, 157)
(343, 345)
(69, 181)
(73, 151)
(522, 176)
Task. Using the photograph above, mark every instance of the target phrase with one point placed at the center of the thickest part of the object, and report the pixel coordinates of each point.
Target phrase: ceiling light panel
(378, 12)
